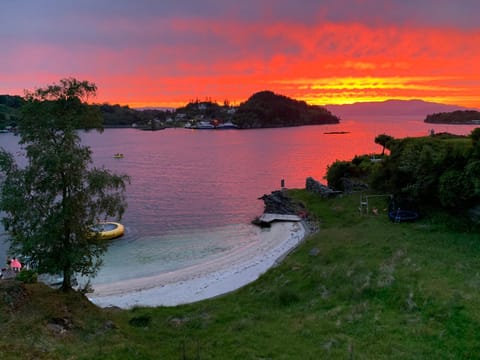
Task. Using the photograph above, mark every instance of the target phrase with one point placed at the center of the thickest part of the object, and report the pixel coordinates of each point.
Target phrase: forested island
(264, 109)
(469, 117)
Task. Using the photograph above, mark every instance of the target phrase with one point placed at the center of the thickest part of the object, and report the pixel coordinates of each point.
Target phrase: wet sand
(202, 281)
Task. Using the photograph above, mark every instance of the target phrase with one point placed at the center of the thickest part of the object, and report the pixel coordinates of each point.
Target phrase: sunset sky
(169, 52)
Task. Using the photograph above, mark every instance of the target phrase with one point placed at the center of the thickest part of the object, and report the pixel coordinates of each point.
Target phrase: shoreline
(208, 280)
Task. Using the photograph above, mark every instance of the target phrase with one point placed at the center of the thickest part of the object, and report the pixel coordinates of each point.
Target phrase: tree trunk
(67, 279)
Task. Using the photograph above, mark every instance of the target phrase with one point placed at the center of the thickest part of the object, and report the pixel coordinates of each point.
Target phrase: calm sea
(193, 193)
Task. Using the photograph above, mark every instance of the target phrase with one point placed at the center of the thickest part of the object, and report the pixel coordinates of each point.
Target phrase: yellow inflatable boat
(109, 230)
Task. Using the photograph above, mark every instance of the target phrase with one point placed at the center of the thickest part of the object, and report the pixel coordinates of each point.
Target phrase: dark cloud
(172, 40)
(460, 13)
(119, 23)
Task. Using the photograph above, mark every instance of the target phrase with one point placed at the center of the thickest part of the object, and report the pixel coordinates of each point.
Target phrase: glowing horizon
(165, 54)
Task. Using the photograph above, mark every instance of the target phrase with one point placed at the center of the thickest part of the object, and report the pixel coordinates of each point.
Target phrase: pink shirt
(15, 264)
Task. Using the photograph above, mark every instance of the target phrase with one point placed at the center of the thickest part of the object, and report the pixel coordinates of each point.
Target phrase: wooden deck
(268, 217)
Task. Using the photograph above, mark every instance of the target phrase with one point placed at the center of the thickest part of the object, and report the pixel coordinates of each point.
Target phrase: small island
(458, 117)
(267, 109)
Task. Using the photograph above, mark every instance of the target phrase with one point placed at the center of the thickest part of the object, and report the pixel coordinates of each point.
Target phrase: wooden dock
(269, 217)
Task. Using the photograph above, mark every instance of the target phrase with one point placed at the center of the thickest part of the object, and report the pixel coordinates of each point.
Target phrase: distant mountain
(417, 108)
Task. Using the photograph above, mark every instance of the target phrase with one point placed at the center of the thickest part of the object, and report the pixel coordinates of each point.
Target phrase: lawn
(361, 288)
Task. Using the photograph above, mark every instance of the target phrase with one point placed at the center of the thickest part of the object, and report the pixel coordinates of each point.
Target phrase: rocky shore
(279, 202)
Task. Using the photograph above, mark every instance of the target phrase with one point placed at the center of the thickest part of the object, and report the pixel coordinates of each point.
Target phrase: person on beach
(15, 264)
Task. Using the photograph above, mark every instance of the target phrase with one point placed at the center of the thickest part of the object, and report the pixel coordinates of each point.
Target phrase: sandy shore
(222, 275)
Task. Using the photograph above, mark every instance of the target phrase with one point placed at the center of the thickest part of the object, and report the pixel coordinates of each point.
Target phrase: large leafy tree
(384, 140)
(51, 203)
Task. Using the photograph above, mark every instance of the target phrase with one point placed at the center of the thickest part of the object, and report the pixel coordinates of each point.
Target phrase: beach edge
(183, 288)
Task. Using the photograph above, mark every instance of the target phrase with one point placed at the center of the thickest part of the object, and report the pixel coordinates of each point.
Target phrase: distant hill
(266, 109)
(417, 108)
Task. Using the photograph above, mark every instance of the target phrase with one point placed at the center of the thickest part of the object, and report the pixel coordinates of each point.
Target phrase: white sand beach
(219, 276)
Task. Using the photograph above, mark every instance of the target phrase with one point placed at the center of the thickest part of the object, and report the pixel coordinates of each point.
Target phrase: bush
(337, 171)
(357, 171)
(27, 276)
(475, 136)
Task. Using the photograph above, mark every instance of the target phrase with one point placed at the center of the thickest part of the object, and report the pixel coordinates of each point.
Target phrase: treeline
(113, 115)
(262, 110)
(117, 115)
(454, 117)
(205, 110)
(437, 171)
(266, 109)
(10, 110)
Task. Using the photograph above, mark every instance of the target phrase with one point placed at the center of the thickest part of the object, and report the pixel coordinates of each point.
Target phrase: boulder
(315, 186)
(278, 202)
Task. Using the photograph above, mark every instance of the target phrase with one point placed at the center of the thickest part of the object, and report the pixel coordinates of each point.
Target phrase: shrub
(337, 171)
(27, 276)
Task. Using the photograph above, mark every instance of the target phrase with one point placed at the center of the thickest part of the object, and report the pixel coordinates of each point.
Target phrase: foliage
(27, 276)
(112, 115)
(116, 115)
(454, 117)
(441, 171)
(9, 110)
(207, 110)
(51, 203)
(338, 171)
(356, 171)
(384, 140)
(266, 109)
(475, 136)
(13, 101)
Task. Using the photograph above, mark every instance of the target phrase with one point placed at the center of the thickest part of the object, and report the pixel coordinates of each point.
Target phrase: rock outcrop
(278, 202)
(315, 186)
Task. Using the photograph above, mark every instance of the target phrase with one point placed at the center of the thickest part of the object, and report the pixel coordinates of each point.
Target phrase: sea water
(193, 193)
(131, 258)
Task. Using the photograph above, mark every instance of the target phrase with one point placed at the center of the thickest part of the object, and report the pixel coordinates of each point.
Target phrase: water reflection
(186, 181)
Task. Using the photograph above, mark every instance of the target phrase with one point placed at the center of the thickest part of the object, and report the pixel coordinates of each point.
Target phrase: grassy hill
(360, 288)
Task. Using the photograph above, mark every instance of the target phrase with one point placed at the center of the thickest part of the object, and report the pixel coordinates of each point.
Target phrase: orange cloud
(173, 61)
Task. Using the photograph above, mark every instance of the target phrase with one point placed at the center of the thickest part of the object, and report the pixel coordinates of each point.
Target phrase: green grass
(376, 290)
